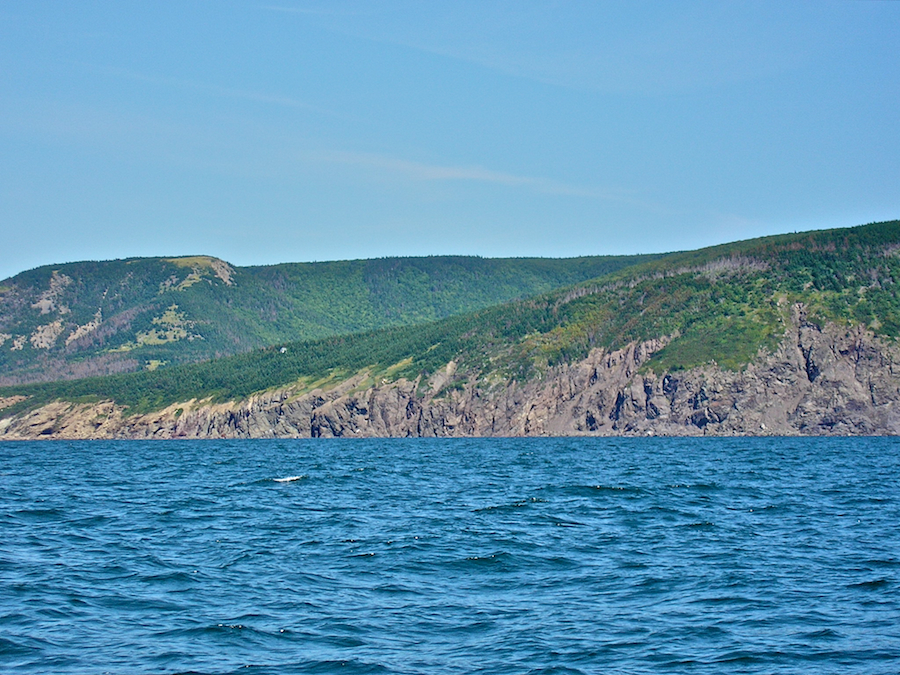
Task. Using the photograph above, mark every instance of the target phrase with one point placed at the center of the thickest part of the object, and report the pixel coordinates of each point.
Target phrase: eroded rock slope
(821, 381)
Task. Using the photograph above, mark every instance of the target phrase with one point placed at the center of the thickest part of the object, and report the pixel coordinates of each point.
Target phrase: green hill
(94, 318)
(721, 304)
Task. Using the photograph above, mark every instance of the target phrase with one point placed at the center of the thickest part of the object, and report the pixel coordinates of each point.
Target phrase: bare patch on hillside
(49, 300)
(44, 337)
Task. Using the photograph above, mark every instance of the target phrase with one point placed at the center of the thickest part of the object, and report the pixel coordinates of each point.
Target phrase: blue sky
(292, 130)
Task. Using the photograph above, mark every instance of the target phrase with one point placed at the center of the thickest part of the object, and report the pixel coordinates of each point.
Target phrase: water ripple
(451, 556)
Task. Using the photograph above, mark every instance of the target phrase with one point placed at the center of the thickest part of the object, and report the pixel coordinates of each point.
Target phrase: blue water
(451, 556)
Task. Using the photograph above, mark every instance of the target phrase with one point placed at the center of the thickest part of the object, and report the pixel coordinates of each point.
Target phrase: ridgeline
(715, 320)
(98, 318)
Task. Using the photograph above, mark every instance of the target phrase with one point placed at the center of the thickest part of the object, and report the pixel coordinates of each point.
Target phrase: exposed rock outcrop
(821, 381)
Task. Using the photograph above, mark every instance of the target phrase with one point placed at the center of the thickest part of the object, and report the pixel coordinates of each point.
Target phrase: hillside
(813, 316)
(98, 318)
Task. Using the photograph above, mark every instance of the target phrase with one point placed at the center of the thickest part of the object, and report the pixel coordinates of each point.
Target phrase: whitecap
(288, 479)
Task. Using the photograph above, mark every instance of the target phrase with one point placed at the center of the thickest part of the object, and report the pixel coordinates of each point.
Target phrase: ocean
(573, 555)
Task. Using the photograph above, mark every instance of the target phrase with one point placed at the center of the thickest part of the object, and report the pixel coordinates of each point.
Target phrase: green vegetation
(170, 327)
(117, 312)
(722, 304)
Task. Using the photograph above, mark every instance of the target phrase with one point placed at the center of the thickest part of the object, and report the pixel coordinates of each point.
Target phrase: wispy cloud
(438, 172)
(601, 47)
(245, 94)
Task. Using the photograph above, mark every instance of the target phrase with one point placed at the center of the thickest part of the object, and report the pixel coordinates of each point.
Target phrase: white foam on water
(289, 479)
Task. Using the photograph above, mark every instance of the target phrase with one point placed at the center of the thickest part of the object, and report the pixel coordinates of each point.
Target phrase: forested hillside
(97, 318)
(723, 305)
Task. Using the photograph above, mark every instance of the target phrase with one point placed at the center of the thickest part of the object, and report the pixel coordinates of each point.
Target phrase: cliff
(820, 380)
(790, 334)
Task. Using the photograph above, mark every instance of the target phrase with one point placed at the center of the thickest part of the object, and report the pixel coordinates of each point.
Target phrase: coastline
(821, 381)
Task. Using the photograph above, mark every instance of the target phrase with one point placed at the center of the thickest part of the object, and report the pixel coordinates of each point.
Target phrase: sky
(296, 130)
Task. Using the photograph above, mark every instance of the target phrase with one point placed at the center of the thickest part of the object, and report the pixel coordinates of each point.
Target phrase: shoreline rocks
(820, 381)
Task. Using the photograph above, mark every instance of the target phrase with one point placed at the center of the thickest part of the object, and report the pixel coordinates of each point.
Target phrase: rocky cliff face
(821, 381)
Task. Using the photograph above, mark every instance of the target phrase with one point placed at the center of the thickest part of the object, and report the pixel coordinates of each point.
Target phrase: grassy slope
(262, 305)
(725, 303)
